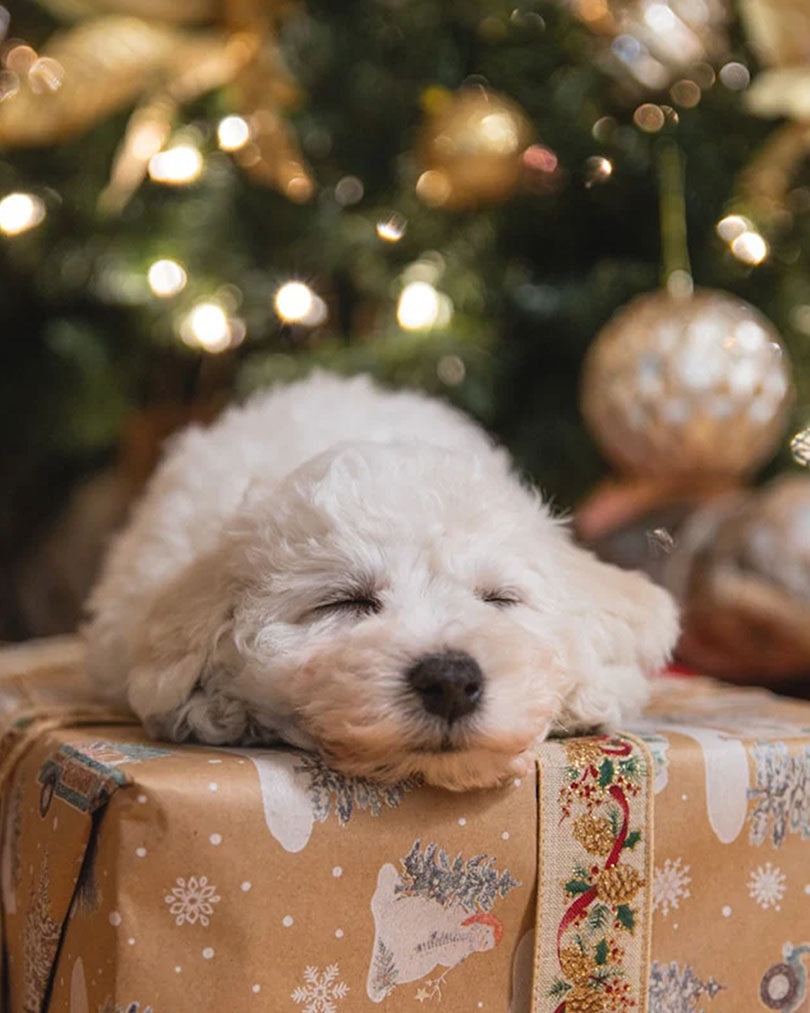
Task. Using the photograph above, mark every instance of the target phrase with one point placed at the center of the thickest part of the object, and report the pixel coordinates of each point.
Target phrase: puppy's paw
(625, 630)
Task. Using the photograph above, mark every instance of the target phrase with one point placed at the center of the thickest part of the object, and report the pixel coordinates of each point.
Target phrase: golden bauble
(697, 386)
(470, 149)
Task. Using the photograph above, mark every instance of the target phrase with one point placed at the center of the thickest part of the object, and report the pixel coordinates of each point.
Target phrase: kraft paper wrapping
(673, 858)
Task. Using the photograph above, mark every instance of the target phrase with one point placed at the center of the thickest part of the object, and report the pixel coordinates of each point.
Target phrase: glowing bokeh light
(433, 187)
(294, 301)
(540, 158)
(649, 117)
(349, 190)
(166, 278)
(19, 58)
(233, 133)
(686, 93)
(207, 327)
(176, 166)
(420, 307)
(750, 248)
(392, 228)
(451, 370)
(731, 226)
(46, 74)
(598, 169)
(735, 76)
(20, 212)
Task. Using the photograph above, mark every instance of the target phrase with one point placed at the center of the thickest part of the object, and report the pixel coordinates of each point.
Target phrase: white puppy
(359, 572)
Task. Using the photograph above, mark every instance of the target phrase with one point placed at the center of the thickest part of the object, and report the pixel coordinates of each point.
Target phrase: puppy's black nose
(449, 684)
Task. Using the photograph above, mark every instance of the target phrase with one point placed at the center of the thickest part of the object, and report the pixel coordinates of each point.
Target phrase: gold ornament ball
(696, 386)
(470, 149)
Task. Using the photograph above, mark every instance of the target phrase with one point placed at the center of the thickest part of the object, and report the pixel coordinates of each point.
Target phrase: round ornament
(470, 149)
(689, 387)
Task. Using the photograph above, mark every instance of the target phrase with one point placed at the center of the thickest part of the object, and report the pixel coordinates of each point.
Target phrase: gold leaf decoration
(106, 63)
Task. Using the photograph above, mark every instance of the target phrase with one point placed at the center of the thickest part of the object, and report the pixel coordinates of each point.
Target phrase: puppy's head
(405, 611)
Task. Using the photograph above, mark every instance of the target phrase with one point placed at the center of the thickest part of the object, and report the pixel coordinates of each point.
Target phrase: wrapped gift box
(666, 868)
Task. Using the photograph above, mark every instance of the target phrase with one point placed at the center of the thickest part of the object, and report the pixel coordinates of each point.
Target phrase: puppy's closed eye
(500, 597)
(360, 605)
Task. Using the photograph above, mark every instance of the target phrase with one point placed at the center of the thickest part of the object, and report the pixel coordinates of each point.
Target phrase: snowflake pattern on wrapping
(190, 901)
(670, 885)
(767, 885)
(781, 795)
(328, 789)
(321, 990)
(677, 990)
(475, 884)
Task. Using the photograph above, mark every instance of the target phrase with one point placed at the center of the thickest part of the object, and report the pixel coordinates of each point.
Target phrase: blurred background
(585, 222)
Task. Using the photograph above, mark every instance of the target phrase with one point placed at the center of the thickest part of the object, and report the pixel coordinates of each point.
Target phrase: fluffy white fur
(208, 616)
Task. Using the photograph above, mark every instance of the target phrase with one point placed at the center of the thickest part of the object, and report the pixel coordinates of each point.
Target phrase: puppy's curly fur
(289, 565)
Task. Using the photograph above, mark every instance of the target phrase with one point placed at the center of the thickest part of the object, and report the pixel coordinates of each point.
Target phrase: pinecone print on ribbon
(576, 965)
(583, 999)
(582, 752)
(618, 885)
(601, 801)
(595, 834)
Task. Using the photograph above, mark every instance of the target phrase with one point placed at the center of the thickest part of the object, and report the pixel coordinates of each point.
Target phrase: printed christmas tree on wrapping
(474, 883)
(329, 789)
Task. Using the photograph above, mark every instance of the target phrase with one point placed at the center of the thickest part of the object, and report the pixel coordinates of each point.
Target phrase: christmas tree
(198, 198)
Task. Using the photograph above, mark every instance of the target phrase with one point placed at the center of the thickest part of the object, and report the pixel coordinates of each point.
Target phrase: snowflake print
(190, 901)
(320, 990)
(670, 885)
(767, 886)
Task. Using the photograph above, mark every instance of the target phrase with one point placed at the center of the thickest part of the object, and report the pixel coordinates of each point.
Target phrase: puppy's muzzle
(449, 685)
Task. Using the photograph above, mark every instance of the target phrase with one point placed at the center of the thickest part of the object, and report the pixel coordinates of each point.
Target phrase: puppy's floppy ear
(184, 658)
(624, 629)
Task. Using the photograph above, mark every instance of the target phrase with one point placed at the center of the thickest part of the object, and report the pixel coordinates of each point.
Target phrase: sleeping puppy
(360, 573)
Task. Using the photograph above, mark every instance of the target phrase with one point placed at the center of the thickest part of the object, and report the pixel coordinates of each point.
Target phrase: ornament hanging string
(676, 269)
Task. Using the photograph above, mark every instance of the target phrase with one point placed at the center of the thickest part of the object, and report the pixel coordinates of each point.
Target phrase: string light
(731, 226)
(166, 278)
(598, 169)
(421, 307)
(176, 166)
(294, 301)
(207, 327)
(20, 212)
(750, 248)
(233, 133)
(392, 229)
